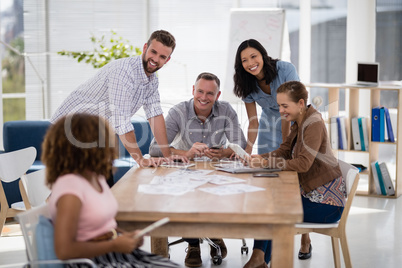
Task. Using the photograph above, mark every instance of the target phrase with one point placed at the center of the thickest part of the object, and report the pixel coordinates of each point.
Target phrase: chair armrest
(72, 261)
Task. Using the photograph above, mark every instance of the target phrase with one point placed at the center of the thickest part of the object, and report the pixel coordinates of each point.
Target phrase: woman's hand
(249, 149)
(257, 161)
(126, 243)
(251, 160)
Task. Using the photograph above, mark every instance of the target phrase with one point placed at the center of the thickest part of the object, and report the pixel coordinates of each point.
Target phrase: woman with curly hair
(78, 152)
(256, 79)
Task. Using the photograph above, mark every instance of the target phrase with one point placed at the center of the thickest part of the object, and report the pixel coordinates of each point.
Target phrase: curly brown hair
(79, 144)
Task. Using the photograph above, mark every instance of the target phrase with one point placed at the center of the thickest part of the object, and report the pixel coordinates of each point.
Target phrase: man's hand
(217, 153)
(197, 149)
(177, 158)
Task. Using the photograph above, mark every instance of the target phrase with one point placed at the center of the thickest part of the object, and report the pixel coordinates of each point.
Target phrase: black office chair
(217, 259)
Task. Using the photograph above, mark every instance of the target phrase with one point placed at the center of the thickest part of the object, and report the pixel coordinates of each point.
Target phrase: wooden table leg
(159, 246)
(282, 246)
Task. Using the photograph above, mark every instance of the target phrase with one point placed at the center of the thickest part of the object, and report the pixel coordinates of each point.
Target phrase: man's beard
(145, 64)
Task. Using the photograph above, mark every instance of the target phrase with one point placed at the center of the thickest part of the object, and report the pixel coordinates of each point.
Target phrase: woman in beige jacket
(307, 151)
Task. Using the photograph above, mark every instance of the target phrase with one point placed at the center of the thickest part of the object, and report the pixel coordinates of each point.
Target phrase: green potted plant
(105, 50)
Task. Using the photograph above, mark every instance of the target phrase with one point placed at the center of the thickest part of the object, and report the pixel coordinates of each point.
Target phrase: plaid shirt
(116, 92)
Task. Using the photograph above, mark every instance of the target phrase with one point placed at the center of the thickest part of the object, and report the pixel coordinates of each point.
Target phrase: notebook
(367, 74)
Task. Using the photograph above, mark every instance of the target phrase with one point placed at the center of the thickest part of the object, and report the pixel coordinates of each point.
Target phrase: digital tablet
(152, 227)
(248, 170)
(238, 150)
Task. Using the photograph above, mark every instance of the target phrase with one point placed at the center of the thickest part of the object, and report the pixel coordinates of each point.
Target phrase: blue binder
(375, 124)
(338, 120)
(390, 132)
(382, 124)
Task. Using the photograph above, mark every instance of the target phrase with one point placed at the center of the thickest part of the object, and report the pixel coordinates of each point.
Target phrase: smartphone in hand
(216, 147)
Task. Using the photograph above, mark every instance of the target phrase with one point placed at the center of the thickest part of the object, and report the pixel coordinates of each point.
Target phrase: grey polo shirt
(184, 128)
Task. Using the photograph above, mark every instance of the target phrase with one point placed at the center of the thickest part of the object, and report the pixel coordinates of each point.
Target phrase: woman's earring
(301, 111)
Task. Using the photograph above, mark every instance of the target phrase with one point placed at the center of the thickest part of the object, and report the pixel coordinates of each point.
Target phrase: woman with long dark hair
(257, 77)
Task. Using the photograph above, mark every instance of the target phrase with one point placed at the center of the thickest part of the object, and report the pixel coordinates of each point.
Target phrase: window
(202, 41)
(388, 48)
(12, 62)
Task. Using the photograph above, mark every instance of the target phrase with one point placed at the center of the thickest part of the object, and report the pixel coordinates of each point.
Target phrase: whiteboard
(264, 25)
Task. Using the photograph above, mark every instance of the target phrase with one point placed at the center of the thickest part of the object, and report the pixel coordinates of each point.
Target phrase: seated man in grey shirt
(194, 128)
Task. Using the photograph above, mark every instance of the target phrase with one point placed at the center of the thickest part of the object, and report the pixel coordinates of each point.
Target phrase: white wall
(305, 41)
(360, 47)
(360, 42)
(69, 26)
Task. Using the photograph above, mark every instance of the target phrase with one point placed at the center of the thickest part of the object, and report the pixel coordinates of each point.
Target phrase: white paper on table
(232, 189)
(193, 173)
(202, 159)
(164, 189)
(177, 165)
(179, 181)
(221, 179)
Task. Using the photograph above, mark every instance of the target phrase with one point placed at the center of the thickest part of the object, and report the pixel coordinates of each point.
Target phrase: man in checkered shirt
(120, 89)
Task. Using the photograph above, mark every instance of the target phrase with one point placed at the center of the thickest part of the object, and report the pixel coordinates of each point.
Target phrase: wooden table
(264, 214)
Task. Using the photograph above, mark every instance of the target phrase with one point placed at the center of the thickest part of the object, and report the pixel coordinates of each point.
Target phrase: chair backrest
(351, 176)
(143, 135)
(14, 164)
(28, 221)
(23, 134)
(34, 190)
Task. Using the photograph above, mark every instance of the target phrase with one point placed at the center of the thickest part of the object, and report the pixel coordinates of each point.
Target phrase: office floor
(374, 233)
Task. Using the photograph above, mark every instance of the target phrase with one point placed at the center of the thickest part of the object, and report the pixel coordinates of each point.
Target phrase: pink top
(98, 209)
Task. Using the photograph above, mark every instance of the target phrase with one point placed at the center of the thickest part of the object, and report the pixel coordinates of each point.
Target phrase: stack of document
(184, 181)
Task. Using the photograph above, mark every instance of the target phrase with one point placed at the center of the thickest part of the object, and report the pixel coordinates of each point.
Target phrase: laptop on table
(367, 74)
(248, 170)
